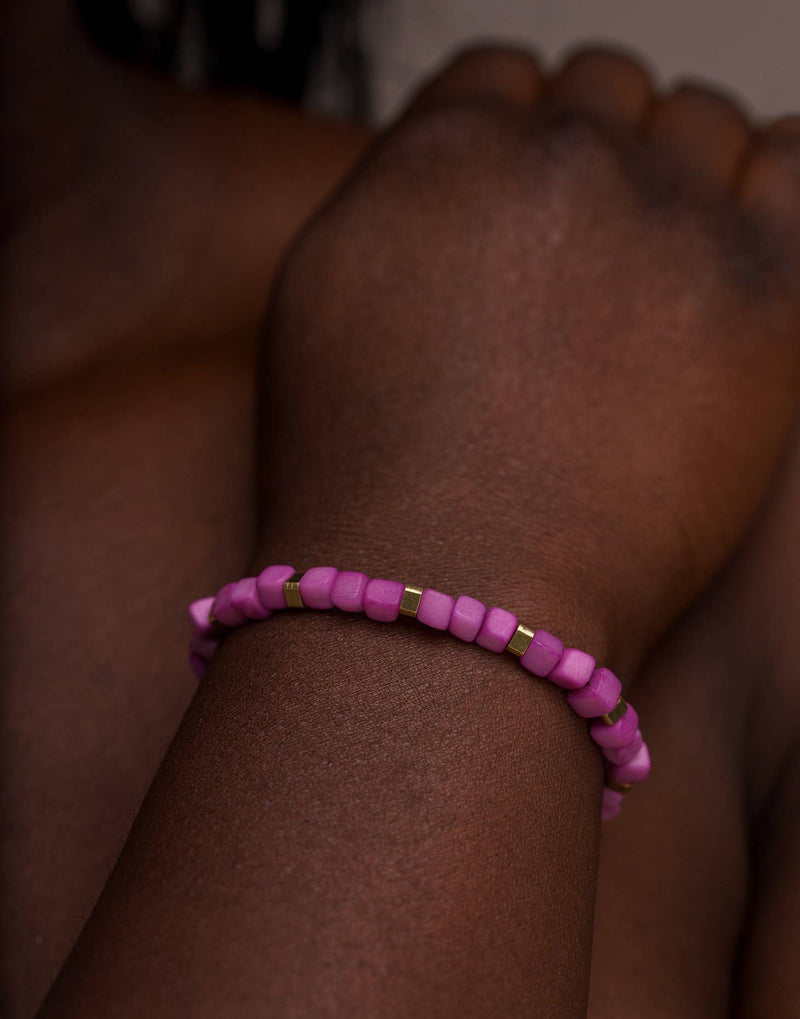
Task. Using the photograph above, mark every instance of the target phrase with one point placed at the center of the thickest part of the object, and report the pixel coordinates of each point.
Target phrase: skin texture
(246, 707)
(142, 236)
(270, 729)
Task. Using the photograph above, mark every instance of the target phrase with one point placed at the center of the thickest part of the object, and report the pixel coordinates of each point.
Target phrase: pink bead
(573, 671)
(467, 618)
(543, 653)
(382, 599)
(223, 609)
(316, 585)
(269, 585)
(598, 697)
(612, 804)
(611, 798)
(497, 630)
(198, 616)
(198, 664)
(636, 770)
(435, 609)
(617, 735)
(203, 647)
(348, 590)
(245, 599)
(621, 755)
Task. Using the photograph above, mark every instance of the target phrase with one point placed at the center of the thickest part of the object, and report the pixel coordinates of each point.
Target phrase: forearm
(355, 819)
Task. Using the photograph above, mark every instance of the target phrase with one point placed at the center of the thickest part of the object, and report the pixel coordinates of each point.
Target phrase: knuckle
(471, 130)
(580, 136)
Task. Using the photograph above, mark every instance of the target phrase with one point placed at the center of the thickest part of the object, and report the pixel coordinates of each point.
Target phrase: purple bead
(204, 647)
(348, 590)
(382, 599)
(612, 804)
(467, 618)
(435, 609)
(198, 664)
(617, 735)
(269, 585)
(245, 599)
(636, 770)
(621, 755)
(543, 653)
(316, 585)
(223, 609)
(198, 616)
(574, 670)
(497, 630)
(598, 697)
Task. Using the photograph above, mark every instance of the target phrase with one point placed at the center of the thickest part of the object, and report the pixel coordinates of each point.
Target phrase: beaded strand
(593, 693)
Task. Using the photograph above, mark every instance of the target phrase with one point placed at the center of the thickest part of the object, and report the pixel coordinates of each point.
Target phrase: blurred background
(359, 58)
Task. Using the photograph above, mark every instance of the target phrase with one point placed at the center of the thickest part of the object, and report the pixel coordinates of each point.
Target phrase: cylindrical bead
(203, 646)
(198, 664)
(497, 629)
(617, 735)
(574, 670)
(199, 613)
(435, 609)
(543, 654)
(245, 599)
(599, 695)
(316, 586)
(269, 585)
(621, 755)
(347, 593)
(468, 615)
(223, 609)
(382, 600)
(636, 770)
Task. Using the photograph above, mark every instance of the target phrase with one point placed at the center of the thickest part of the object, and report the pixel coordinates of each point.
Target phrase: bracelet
(594, 693)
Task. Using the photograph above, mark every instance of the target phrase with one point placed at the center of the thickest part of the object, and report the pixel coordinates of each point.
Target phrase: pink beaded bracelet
(594, 693)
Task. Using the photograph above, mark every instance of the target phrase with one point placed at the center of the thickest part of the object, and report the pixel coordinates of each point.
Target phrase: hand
(522, 358)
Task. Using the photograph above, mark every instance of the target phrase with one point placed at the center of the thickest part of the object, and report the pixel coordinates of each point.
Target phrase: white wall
(752, 47)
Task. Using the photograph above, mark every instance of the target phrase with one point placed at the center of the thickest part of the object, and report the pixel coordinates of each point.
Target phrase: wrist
(543, 594)
(593, 693)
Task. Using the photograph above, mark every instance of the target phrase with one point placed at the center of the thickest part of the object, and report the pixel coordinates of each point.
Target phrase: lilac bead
(203, 647)
(574, 670)
(497, 630)
(199, 617)
(223, 609)
(467, 618)
(617, 735)
(347, 592)
(636, 770)
(382, 599)
(269, 585)
(543, 653)
(598, 697)
(316, 585)
(435, 609)
(245, 599)
(621, 755)
(198, 664)
(612, 804)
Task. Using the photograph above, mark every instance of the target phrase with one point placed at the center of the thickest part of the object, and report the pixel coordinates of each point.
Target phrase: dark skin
(446, 734)
(130, 330)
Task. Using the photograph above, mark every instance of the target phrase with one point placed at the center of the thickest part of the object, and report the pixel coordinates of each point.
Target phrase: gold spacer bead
(520, 640)
(617, 713)
(291, 592)
(619, 787)
(409, 605)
